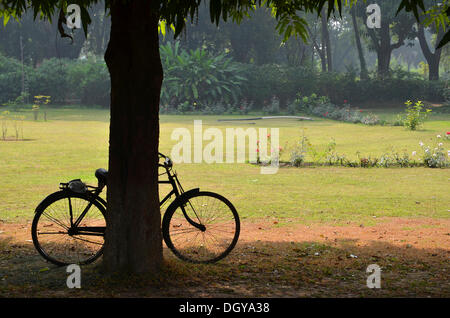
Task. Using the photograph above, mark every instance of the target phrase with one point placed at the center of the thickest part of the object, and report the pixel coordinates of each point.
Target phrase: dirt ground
(272, 259)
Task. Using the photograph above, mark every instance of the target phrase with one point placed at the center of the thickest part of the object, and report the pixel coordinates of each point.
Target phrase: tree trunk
(326, 45)
(434, 69)
(384, 61)
(133, 241)
(384, 52)
(433, 59)
(362, 60)
(320, 50)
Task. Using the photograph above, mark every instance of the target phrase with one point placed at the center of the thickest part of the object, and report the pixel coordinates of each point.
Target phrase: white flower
(415, 152)
(448, 152)
(438, 136)
(421, 144)
(440, 144)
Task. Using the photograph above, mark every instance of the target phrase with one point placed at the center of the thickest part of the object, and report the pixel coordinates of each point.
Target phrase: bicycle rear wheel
(215, 235)
(58, 240)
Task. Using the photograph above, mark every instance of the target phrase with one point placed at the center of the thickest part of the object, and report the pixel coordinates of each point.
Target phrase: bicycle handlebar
(167, 161)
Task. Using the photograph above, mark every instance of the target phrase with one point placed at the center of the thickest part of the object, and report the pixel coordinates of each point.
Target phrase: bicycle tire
(200, 253)
(54, 251)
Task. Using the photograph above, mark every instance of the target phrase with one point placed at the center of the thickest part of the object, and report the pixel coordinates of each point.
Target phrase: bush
(51, 79)
(273, 108)
(435, 156)
(197, 76)
(266, 81)
(322, 107)
(415, 115)
(285, 82)
(89, 81)
(10, 79)
(63, 79)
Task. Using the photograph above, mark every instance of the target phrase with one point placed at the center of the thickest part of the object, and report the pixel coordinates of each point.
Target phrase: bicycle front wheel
(202, 228)
(58, 239)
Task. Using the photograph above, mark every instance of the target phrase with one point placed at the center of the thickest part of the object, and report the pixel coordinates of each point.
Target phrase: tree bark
(384, 52)
(320, 51)
(133, 241)
(364, 74)
(433, 59)
(326, 45)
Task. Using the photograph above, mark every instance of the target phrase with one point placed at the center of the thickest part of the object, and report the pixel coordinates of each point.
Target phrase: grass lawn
(73, 143)
(363, 211)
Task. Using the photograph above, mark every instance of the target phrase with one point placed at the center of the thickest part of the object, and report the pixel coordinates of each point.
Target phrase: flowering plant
(435, 157)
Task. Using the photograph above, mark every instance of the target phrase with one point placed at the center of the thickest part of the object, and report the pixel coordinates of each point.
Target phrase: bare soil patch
(270, 260)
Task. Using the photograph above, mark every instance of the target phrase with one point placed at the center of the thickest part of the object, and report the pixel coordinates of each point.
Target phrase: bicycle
(69, 225)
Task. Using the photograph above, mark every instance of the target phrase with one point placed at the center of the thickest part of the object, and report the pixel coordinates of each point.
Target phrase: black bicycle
(69, 225)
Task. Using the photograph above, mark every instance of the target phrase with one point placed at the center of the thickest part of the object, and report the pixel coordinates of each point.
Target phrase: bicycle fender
(181, 198)
(49, 197)
(57, 193)
(102, 201)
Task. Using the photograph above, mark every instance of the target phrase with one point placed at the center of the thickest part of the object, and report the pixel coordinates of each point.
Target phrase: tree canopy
(176, 12)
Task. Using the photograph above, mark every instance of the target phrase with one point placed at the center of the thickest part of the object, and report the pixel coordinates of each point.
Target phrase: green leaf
(195, 91)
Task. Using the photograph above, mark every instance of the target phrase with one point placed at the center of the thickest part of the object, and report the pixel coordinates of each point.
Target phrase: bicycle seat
(102, 175)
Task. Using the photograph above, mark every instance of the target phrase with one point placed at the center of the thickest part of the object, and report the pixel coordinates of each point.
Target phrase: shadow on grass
(253, 269)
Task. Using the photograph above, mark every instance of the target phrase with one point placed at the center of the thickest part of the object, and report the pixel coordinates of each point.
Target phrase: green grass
(74, 142)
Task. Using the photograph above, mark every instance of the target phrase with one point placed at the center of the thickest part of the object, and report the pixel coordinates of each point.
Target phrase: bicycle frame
(177, 190)
(173, 181)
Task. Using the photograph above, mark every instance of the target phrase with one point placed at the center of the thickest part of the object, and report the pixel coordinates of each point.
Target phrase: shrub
(265, 81)
(197, 76)
(245, 107)
(322, 107)
(10, 79)
(299, 152)
(273, 108)
(415, 115)
(89, 81)
(51, 79)
(435, 156)
(63, 79)
(184, 107)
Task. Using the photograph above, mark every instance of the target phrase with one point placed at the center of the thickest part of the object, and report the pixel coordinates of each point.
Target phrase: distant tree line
(345, 48)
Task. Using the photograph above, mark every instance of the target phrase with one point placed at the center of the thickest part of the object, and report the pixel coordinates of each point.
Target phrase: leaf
(162, 27)
(6, 19)
(195, 91)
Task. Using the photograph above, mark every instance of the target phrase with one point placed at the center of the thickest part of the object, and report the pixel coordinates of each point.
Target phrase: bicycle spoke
(84, 240)
(215, 241)
(57, 245)
(46, 233)
(56, 221)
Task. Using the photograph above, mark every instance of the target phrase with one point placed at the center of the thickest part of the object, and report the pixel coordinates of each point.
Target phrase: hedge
(88, 82)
